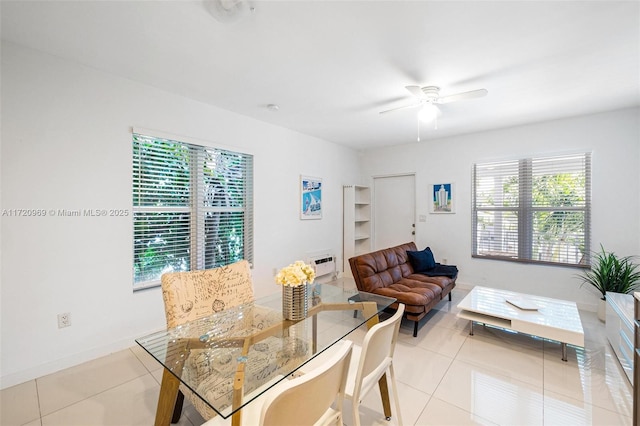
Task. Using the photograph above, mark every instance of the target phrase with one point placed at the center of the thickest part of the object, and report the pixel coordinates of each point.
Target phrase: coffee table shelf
(553, 319)
(486, 319)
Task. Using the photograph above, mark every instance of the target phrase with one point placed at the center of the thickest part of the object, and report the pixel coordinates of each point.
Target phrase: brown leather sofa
(389, 272)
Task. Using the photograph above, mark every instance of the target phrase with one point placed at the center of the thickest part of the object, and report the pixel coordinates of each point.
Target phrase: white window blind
(533, 210)
(192, 205)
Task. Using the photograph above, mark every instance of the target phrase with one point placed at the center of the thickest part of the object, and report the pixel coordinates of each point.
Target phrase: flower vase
(294, 302)
(296, 344)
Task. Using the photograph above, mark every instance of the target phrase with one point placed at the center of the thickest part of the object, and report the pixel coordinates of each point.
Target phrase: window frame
(198, 206)
(524, 210)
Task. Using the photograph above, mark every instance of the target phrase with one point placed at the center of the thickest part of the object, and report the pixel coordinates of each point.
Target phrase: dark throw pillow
(421, 260)
(433, 256)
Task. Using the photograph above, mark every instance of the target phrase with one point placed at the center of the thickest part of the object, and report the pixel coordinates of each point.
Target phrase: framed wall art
(310, 198)
(442, 198)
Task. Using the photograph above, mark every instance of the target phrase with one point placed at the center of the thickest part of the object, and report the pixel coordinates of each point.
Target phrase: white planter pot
(602, 310)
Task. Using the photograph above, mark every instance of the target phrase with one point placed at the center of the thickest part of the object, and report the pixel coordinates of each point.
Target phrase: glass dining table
(230, 358)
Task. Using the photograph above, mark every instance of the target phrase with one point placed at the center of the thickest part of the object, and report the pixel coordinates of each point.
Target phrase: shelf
(619, 329)
(356, 223)
(485, 319)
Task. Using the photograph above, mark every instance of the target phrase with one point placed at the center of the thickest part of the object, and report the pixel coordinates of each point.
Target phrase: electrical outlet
(64, 320)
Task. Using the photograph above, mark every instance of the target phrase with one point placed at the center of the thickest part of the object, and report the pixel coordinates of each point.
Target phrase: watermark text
(65, 212)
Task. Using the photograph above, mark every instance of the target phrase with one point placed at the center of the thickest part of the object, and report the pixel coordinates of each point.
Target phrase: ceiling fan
(429, 96)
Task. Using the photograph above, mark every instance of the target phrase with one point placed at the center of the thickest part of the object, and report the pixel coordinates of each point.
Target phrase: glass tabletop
(231, 357)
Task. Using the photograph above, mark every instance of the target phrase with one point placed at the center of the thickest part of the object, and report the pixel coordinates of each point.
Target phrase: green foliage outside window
(559, 228)
(190, 207)
(533, 209)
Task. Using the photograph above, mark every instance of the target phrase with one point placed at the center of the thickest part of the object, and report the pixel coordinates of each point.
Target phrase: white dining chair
(373, 360)
(314, 398)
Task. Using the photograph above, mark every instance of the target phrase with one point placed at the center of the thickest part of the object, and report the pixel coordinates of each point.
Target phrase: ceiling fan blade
(402, 107)
(464, 95)
(416, 91)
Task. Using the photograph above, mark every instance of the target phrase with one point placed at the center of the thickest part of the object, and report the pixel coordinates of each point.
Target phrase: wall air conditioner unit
(324, 265)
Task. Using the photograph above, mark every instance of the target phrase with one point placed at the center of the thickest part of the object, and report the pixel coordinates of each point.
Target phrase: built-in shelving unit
(356, 223)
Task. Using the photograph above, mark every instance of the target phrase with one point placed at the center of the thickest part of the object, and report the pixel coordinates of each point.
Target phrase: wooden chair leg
(449, 296)
(177, 409)
(415, 329)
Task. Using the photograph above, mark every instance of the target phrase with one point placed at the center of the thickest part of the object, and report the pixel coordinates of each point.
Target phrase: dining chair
(192, 295)
(373, 360)
(195, 294)
(314, 398)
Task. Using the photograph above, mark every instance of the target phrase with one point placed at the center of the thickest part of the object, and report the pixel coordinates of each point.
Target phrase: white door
(394, 210)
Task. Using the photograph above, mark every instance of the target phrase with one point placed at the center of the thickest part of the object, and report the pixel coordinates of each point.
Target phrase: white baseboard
(62, 363)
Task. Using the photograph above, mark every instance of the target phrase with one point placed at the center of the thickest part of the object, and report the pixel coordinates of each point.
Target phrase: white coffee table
(544, 317)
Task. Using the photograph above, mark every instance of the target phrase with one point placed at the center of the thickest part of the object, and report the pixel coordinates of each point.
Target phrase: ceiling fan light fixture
(428, 113)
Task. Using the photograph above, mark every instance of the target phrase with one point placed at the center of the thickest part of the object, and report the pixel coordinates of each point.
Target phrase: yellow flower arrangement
(298, 273)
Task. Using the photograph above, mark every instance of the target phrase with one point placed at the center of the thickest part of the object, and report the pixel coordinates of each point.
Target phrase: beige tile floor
(445, 377)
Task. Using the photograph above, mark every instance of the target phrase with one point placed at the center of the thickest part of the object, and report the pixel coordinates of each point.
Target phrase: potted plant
(609, 272)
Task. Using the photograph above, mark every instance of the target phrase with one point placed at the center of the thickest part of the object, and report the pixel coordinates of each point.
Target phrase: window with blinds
(192, 208)
(533, 210)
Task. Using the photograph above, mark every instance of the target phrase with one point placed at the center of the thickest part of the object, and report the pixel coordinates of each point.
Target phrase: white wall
(66, 144)
(614, 139)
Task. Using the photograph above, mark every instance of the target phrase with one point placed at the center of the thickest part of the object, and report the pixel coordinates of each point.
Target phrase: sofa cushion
(382, 268)
(422, 260)
(412, 292)
(441, 281)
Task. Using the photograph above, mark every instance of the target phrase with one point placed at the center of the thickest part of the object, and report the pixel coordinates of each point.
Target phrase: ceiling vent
(227, 10)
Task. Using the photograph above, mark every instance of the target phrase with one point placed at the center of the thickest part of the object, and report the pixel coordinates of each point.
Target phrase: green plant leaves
(612, 273)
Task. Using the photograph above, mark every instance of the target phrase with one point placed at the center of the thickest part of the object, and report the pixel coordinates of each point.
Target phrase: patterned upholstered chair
(195, 294)
(192, 295)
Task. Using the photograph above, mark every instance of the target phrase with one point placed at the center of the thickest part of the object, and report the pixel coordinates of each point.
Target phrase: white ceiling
(331, 66)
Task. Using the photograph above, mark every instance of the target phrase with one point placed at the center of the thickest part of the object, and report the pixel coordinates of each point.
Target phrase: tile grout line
(38, 398)
(96, 394)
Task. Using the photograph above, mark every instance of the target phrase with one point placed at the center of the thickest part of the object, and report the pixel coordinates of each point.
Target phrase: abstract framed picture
(442, 198)
(310, 198)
